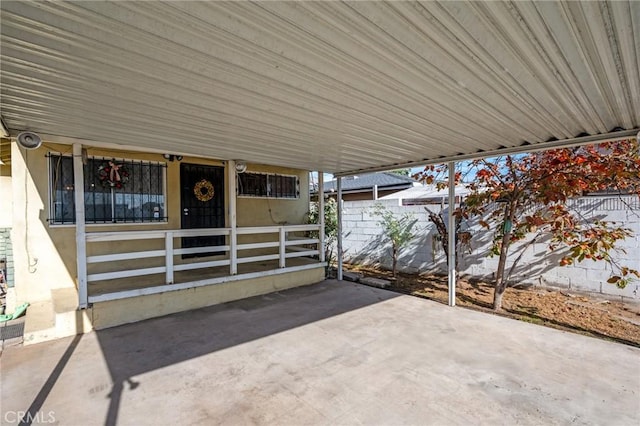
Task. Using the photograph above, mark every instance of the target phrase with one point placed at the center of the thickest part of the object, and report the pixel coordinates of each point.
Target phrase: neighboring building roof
(425, 194)
(367, 181)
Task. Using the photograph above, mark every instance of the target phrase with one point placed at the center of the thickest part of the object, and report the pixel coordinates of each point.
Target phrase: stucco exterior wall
(252, 211)
(43, 259)
(45, 255)
(116, 312)
(364, 243)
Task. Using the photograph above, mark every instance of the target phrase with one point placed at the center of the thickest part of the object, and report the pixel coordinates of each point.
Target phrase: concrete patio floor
(330, 353)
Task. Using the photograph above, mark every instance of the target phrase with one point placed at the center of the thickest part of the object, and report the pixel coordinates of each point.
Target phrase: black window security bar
(268, 185)
(135, 195)
(61, 195)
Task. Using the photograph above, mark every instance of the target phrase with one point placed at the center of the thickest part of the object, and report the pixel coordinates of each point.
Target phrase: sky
(464, 165)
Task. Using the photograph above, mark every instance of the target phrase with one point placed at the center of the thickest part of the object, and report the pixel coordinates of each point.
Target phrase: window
(137, 194)
(63, 206)
(268, 185)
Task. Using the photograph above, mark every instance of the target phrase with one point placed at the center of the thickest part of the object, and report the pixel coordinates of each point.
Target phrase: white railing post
(168, 257)
(283, 239)
(233, 251)
(81, 242)
(321, 215)
(233, 233)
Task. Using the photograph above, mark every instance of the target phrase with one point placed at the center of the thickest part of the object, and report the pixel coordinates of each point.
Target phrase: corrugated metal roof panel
(321, 86)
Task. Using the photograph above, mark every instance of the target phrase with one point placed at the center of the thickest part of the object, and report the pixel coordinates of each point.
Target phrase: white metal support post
(452, 234)
(321, 215)
(233, 234)
(339, 203)
(81, 242)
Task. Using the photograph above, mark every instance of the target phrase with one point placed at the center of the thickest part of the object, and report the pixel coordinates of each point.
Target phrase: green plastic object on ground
(18, 313)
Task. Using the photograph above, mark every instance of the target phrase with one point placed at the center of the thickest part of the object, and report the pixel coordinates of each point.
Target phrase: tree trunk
(497, 298)
(328, 256)
(442, 231)
(394, 259)
(501, 281)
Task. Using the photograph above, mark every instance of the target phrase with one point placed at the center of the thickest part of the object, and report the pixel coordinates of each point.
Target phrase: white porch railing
(289, 246)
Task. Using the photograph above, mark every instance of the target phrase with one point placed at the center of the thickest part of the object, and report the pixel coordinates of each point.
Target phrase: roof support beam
(527, 147)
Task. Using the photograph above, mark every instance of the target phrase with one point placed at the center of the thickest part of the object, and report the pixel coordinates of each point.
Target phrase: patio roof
(339, 87)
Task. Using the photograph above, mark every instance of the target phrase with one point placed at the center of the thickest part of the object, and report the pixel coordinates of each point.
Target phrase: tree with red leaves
(524, 197)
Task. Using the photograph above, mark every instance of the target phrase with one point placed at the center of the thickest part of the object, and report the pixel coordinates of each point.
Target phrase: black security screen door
(202, 205)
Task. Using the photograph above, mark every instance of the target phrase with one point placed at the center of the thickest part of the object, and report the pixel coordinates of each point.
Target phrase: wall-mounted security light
(29, 140)
(172, 157)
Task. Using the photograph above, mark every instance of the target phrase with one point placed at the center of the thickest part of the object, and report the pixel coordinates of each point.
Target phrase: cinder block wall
(364, 243)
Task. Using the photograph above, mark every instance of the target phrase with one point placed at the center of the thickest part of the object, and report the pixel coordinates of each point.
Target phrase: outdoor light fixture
(241, 166)
(172, 157)
(29, 140)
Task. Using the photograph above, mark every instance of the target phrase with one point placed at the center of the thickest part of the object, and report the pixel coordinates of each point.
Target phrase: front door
(202, 205)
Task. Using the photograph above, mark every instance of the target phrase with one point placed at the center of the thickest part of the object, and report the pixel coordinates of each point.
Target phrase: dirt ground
(576, 312)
